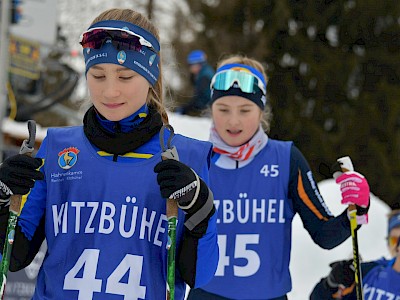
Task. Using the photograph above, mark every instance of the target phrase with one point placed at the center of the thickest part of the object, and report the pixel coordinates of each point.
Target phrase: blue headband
(144, 62)
(394, 221)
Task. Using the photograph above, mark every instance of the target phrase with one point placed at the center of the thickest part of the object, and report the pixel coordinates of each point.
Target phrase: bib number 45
(240, 251)
(87, 284)
(270, 170)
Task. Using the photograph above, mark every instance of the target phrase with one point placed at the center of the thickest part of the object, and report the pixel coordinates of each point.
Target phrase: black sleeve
(326, 230)
(323, 291)
(187, 254)
(23, 250)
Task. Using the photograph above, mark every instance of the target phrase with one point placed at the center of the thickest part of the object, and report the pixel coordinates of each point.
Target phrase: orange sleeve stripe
(343, 292)
(304, 197)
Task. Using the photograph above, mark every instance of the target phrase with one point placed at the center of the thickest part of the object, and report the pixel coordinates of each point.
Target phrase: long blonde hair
(244, 60)
(155, 96)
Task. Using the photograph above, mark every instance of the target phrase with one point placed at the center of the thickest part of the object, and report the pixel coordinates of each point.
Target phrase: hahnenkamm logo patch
(68, 157)
(121, 57)
(151, 59)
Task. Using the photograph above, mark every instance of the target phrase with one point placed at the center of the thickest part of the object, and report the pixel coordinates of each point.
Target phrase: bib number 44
(87, 283)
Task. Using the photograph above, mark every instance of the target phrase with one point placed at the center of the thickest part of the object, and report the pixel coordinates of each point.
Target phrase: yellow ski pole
(346, 165)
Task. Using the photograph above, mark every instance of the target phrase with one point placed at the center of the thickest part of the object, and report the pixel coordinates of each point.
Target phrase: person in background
(259, 185)
(393, 231)
(380, 278)
(99, 199)
(200, 76)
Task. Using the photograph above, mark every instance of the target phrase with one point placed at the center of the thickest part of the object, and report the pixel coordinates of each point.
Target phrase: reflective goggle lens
(393, 240)
(121, 39)
(224, 80)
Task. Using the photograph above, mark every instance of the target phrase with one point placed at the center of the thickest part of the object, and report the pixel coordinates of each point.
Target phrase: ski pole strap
(170, 151)
(202, 213)
(27, 145)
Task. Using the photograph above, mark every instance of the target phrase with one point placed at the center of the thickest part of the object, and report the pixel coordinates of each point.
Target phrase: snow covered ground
(308, 262)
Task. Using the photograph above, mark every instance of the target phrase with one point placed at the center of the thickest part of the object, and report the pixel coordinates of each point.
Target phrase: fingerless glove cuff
(201, 210)
(189, 187)
(331, 283)
(5, 191)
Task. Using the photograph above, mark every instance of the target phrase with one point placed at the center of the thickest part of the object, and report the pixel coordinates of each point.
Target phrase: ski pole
(15, 206)
(345, 165)
(170, 152)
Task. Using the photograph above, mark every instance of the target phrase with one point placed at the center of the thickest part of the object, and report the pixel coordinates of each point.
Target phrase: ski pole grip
(169, 152)
(172, 207)
(344, 164)
(27, 148)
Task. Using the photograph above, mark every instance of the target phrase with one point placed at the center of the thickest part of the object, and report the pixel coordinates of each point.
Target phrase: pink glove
(355, 190)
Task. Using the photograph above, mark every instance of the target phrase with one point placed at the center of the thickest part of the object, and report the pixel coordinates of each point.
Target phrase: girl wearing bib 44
(99, 197)
(259, 184)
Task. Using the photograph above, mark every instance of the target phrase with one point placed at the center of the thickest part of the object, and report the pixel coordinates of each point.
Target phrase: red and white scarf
(243, 152)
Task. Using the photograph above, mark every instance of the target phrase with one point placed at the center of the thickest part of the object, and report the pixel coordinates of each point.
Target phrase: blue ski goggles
(121, 39)
(246, 81)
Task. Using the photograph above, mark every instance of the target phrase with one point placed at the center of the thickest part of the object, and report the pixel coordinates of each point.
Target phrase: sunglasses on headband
(121, 39)
(246, 81)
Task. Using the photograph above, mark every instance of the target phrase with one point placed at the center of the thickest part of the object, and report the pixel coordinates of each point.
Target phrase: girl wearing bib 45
(259, 184)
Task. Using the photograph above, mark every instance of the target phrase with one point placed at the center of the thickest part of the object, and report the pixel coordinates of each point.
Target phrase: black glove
(18, 174)
(178, 181)
(341, 275)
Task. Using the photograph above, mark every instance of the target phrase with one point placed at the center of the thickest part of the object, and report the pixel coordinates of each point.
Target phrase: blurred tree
(334, 69)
